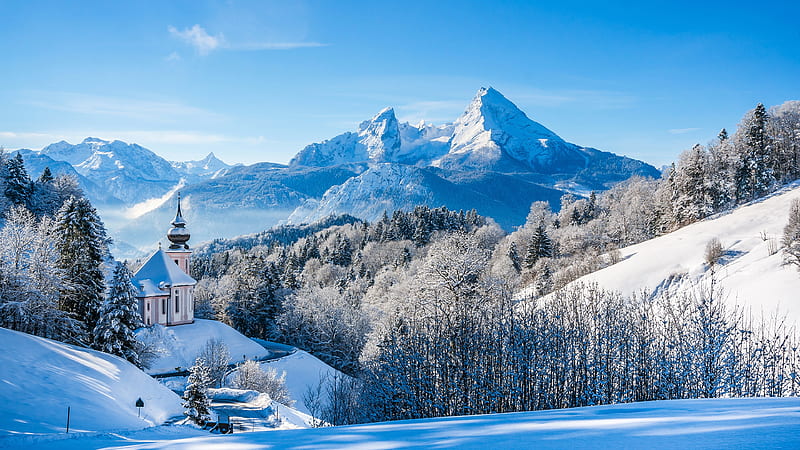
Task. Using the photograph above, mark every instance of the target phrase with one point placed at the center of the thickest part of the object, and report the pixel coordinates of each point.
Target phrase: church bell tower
(178, 236)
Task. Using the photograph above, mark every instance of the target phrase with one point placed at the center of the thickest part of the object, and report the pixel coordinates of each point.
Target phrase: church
(165, 288)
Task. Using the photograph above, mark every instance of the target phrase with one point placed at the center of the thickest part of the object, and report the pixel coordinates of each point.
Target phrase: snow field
(40, 378)
(181, 344)
(766, 423)
(751, 276)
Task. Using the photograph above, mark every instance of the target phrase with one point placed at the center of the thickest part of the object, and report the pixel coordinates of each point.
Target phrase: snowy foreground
(750, 273)
(713, 423)
(40, 379)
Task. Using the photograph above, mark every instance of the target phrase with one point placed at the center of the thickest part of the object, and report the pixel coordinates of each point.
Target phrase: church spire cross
(179, 222)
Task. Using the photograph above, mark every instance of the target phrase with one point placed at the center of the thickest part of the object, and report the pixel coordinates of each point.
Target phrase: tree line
(53, 261)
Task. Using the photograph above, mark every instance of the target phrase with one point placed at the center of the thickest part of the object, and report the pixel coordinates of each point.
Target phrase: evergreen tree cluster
(52, 270)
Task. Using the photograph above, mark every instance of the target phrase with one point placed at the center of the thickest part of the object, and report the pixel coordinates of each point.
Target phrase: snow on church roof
(160, 268)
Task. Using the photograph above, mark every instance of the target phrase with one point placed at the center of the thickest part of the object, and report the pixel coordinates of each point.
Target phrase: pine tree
(81, 245)
(46, 176)
(540, 246)
(756, 172)
(114, 332)
(513, 256)
(18, 184)
(195, 396)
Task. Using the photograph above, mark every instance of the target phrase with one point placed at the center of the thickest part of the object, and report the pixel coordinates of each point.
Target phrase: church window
(177, 302)
(163, 306)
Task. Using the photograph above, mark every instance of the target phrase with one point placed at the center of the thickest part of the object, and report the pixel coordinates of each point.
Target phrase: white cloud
(152, 110)
(205, 43)
(174, 56)
(198, 38)
(255, 46)
(682, 130)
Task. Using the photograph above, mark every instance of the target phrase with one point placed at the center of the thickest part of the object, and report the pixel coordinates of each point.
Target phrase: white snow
(256, 410)
(40, 379)
(748, 273)
(181, 344)
(676, 424)
(303, 371)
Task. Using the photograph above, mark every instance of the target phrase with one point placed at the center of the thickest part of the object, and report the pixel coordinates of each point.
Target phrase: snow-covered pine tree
(693, 202)
(119, 318)
(44, 197)
(791, 235)
(195, 396)
(513, 256)
(540, 246)
(81, 245)
(17, 181)
(756, 172)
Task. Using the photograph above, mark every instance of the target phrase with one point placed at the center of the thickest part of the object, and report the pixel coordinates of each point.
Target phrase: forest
(433, 312)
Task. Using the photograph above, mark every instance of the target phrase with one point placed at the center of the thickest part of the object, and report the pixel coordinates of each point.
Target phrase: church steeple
(178, 235)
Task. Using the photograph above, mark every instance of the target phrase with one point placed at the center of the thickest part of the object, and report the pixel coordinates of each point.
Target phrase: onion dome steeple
(178, 234)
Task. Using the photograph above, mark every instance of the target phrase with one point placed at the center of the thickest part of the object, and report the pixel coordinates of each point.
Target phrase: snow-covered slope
(40, 378)
(303, 371)
(181, 344)
(749, 273)
(767, 423)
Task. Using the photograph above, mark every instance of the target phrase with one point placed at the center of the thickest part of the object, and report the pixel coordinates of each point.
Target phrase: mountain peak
(381, 135)
(494, 133)
(94, 140)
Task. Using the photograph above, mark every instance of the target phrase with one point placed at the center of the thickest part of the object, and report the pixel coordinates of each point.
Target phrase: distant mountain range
(492, 158)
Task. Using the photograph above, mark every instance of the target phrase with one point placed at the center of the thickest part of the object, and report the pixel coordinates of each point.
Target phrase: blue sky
(256, 81)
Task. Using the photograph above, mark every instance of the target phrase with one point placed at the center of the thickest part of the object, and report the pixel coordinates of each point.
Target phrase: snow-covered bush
(251, 376)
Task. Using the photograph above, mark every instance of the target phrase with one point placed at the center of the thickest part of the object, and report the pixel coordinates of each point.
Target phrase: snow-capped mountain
(129, 172)
(380, 139)
(492, 135)
(208, 167)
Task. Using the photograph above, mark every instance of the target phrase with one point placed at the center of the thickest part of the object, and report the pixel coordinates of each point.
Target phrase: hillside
(180, 345)
(749, 272)
(41, 378)
(676, 424)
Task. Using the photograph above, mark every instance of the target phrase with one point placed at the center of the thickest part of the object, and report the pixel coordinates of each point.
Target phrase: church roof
(148, 289)
(158, 271)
